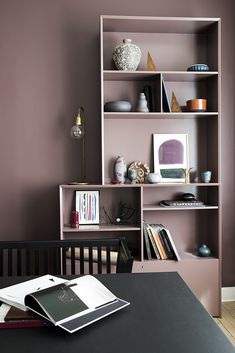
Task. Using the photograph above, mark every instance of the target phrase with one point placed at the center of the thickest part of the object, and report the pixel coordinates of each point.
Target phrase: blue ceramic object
(153, 178)
(204, 251)
(117, 106)
(198, 67)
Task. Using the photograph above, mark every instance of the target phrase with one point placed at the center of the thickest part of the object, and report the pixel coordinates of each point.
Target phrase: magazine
(71, 305)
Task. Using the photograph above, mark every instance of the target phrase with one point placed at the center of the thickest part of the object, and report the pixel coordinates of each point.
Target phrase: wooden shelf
(102, 228)
(158, 115)
(178, 76)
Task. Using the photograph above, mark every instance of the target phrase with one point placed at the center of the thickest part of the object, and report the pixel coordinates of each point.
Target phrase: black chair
(19, 258)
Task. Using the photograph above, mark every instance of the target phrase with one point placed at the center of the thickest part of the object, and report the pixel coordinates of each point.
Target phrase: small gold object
(175, 107)
(150, 64)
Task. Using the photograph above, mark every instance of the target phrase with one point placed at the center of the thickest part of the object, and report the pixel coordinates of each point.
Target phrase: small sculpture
(150, 63)
(175, 107)
(142, 105)
(187, 175)
(120, 170)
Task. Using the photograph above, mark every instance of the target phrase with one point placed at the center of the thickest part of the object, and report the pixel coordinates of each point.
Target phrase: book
(179, 203)
(147, 244)
(11, 317)
(70, 305)
(165, 99)
(152, 241)
(171, 242)
(158, 242)
(165, 242)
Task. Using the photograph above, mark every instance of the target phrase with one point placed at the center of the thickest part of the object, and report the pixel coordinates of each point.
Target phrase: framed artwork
(171, 156)
(87, 205)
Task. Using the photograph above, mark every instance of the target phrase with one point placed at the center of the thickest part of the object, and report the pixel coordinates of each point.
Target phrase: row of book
(159, 243)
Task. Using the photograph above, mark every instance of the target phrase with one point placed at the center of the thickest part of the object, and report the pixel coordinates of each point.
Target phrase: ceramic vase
(120, 169)
(126, 56)
(153, 178)
(206, 176)
(204, 251)
(142, 105)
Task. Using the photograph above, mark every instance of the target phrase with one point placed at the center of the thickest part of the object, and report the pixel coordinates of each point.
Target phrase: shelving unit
(174, 44)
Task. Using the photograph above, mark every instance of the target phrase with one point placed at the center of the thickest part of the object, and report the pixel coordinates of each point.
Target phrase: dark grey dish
(117, 106)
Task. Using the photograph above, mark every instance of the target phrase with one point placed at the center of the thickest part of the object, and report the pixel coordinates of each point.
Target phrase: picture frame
(171, 157)
(87, 205)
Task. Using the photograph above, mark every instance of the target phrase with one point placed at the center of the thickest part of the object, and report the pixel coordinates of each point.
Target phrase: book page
(56, 303)
(14, 295)
(91, 291)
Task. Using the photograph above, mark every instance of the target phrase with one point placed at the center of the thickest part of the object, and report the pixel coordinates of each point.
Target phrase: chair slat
(10, 269)
(99, 259)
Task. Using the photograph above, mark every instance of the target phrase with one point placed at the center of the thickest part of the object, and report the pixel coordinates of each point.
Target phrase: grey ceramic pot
(117, 106)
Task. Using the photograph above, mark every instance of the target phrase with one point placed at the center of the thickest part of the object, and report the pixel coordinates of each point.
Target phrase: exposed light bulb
(77, 130)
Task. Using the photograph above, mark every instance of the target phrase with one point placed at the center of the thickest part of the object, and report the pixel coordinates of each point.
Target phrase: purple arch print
(171, 152)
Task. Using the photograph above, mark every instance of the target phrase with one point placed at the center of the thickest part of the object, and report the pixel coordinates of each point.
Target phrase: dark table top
(164, 316)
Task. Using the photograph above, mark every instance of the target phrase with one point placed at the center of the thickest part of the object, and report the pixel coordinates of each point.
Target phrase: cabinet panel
(200, 275)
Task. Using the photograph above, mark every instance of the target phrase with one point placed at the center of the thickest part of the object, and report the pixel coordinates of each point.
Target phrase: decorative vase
(206, 176)
(142, 105)
(126, 56)
(204, 251)
(132, 176)
(153, 178)
(120, 169)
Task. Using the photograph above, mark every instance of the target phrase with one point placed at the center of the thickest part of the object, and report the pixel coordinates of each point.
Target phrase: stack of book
(159, 243)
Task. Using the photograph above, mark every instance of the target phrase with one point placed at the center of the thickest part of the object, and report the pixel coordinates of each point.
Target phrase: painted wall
(49, 65)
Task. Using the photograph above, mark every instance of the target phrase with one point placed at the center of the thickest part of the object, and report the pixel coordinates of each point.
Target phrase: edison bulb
(77, 132)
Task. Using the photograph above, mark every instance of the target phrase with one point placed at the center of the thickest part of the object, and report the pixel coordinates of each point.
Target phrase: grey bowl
(117, 106)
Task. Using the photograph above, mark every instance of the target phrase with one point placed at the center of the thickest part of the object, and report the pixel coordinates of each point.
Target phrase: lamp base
(78, 183)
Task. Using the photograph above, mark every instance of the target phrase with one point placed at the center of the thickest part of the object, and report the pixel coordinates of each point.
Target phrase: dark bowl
(117, 106)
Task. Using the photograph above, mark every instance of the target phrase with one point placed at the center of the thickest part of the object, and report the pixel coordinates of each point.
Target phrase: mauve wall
(49, 65)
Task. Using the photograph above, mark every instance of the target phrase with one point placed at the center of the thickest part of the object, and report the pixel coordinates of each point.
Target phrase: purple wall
(49, 65)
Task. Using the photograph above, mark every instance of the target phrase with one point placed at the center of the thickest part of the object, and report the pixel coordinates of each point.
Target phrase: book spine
(165, 243)
(171, 242)
(158, 243)
(147, 245)
(24, 324)
(153, 242)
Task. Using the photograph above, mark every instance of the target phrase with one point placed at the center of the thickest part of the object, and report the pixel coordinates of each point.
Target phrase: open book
(71, 305)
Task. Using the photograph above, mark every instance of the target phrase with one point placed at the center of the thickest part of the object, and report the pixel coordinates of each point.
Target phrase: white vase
(120, 169)
(126, 56)
(142, 105)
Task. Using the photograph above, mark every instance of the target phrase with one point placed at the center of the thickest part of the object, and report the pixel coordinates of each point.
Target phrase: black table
(164, 316)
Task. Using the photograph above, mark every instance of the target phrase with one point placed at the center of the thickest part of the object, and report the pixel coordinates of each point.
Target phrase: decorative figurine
(120, 169)
(132, 176)
(142, 105)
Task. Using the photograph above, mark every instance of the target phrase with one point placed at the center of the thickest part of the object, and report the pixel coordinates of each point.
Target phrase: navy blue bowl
(198, 67)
